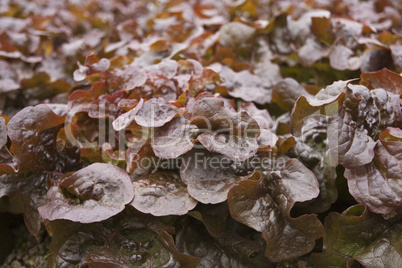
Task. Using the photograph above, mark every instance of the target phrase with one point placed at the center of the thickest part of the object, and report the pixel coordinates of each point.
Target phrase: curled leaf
(210, 113)
(173, 139)
(235, 133)
(124, 120)
(91, 65)
(378, 185)
(94, 193)
(33, 133)
(244, 85)
(348, 144)
(373, 110)
(127, 78)
(155, 113)
(208, 176)
(233, 147)
(264, 204)
(155, 86)
(107, 105)
(306, 107)
(261, 116)
(265, 122)
(161, 194)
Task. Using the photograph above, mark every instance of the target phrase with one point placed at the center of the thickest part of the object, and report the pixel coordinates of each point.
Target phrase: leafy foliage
(369, 239)
(205, 133)
(91, 194)
(161, 194)
(265, 203)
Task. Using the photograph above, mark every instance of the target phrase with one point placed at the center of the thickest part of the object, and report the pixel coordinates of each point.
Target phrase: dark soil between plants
(18, 248)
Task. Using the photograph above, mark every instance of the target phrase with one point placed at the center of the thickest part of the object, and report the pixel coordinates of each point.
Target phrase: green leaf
(359, 234)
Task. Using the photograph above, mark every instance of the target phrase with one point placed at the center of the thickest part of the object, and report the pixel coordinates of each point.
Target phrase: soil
(27, 251)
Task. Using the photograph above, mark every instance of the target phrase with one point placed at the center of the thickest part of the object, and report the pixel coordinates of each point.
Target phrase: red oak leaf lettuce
(162, 193)
(378, 184)
(94, 193)
(264, 203)
(33, 132)
(358, 234)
